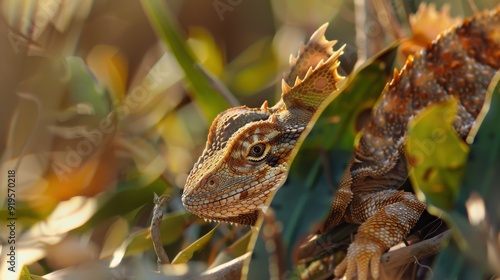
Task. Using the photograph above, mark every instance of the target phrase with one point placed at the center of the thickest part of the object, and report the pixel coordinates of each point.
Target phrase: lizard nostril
(188, 192)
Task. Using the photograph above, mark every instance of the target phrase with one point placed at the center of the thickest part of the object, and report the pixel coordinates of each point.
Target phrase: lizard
(249, 150)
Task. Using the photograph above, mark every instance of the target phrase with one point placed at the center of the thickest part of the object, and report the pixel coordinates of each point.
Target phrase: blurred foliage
(107, 102)
(476, 212)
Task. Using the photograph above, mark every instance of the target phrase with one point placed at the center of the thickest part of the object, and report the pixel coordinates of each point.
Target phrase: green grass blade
(203, 91)
(185, 255)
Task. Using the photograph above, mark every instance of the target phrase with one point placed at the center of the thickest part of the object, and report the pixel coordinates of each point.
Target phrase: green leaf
(254, 69)
(208, 99)
(481, 176)
(238, 248)
(36, 277)
(25, 274)
(116, 234)
(436, 154)
(185, 255)
(205, 49)
(83, 89)
(483, 163)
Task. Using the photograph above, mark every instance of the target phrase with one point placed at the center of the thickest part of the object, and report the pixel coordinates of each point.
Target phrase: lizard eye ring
(258, 151)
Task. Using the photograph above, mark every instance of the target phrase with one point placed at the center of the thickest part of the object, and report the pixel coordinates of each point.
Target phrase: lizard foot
(363, 256)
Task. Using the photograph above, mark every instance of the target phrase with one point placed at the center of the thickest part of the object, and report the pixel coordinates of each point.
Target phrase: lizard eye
(258, 152)
(211, 182)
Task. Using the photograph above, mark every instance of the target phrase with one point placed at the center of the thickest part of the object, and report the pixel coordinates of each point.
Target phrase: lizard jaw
(242, 219)
(246, 216)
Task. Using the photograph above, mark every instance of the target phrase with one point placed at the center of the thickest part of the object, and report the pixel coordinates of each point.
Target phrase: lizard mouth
(248, 217)
(220, 213)
(242, 219)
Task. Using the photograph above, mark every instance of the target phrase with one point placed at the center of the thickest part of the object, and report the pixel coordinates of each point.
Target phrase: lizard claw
(363, 259)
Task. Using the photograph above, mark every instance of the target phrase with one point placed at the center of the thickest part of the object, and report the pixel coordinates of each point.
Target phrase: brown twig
(160, 202)
(418, 250)
(392, 259)
(228, 270)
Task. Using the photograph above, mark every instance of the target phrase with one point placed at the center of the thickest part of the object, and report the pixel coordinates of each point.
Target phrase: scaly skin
(249, 151)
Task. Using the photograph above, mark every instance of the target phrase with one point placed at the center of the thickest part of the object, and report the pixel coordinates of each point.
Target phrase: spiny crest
(470, 37)
(318, 48)
(319, 80)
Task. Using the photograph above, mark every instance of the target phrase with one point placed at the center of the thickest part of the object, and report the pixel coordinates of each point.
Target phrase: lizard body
(249, 151)
(459, 64)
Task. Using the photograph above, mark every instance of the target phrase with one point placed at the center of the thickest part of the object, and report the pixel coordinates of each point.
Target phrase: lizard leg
(342, 199)
(387, 217)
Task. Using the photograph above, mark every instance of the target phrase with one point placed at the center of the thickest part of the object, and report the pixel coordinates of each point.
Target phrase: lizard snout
(188, 194)
(195, 194)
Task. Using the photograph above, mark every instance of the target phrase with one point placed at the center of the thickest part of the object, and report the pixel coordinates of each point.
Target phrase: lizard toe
(340, 270)
(362, 260)
(362, 269)
(375, 266)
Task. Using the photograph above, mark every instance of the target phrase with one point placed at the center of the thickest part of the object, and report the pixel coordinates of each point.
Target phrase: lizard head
(249, 150)
(244, 160)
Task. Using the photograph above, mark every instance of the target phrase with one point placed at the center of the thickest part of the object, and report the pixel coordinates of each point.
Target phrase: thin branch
(391, 259)
(360, 19)
(419, 250)
(160, 202)
(228, 270)
(271, 233)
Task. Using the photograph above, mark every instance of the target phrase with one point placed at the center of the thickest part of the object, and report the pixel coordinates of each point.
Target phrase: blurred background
(105, 103)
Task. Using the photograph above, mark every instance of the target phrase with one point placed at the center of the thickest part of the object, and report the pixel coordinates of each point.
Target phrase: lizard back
(459, 64)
